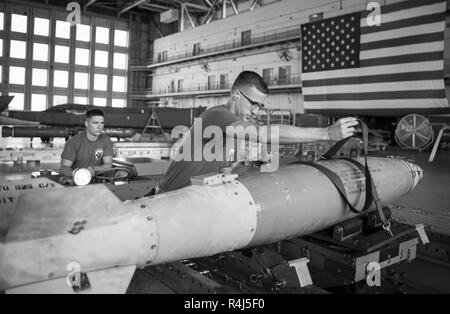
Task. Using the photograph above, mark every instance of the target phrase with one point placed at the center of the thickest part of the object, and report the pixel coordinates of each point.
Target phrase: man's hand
(342, 128)
(91, 170)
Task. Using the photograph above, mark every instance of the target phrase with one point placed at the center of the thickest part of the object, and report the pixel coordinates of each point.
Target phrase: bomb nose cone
(415, 171)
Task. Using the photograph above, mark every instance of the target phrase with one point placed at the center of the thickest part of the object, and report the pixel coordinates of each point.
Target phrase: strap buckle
(387, 228)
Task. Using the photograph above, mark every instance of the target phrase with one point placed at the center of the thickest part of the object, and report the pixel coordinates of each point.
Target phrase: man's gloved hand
(91, 170)
(342, 128)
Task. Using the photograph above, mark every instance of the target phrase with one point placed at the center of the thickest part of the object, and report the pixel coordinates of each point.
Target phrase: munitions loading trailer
(356, 256)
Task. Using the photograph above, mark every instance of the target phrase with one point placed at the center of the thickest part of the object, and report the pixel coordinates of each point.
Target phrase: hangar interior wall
(271, 18)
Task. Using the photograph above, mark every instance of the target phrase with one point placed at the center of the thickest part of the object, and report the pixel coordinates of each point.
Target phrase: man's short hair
(246, 78)
(94, 113)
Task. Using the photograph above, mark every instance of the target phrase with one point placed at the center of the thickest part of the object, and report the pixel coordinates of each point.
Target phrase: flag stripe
(402, 15)
(415, 21)
(401, 50)
(412, 68)
(404, 31)
(416, 57)
(376, 104)
(370, 87)
(395, 77)
(403, 6)
(379, 95)
(408, 40)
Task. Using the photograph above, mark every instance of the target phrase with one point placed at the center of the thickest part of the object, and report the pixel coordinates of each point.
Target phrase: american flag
(397, 67)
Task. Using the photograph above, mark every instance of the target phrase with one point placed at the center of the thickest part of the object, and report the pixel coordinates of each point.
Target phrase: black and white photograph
(225, 152)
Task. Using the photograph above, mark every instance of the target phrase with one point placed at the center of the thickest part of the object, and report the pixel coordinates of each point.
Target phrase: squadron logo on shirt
(98, 153)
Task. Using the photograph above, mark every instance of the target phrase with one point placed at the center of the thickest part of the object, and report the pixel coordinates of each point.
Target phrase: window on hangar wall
(101, 58)
(119, 84)
(2, 19)
(118, 103)
(80, 100)
(100, 82)
(267, 75)
(18, 49)
(83, 33)
(284, 74)
(62, 29)
(61, 78)
(17, 75)
(39, 77)
(246, 37)
(18, 23)
(81, 56)
(211, 81)
(17, 103)
(40, 70)
(40, 52)
(59, 100)
(223, 81)
(99, 101)
(120, 61)
(81, 80)
(120, 38)
(41, 26)
(38, 102)
(102, 35)
(61, 54)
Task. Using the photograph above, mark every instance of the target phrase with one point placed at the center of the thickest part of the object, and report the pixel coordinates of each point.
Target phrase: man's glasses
(253, 103)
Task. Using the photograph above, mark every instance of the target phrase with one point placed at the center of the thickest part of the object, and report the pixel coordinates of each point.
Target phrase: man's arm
(107, 157)
(107, 164)
(66, 167)
(288, 134)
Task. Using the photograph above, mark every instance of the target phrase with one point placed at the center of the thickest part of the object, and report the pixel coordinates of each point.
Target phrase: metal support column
(6, 48)
(28, 59)
(72, 47)
(92, 63)
(110, 71)
(51, 59)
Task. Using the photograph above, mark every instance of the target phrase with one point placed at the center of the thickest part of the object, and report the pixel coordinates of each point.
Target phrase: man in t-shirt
(88, 149)
(247, 97)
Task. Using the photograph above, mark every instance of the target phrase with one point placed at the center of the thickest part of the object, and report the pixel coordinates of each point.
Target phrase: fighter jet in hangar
(66, 120)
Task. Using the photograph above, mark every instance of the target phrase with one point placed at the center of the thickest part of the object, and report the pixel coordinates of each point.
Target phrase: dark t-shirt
(85, 153)
(179, 172)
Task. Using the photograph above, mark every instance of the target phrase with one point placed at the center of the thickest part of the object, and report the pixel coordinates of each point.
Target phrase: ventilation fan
(205, 66)
(285, 54)
(414, 131)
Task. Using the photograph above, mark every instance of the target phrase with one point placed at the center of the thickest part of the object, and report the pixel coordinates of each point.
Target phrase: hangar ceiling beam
(88, 4)
(208, 3)
(131, 5)
(233, 5)
(210, 14)
(256, 3)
